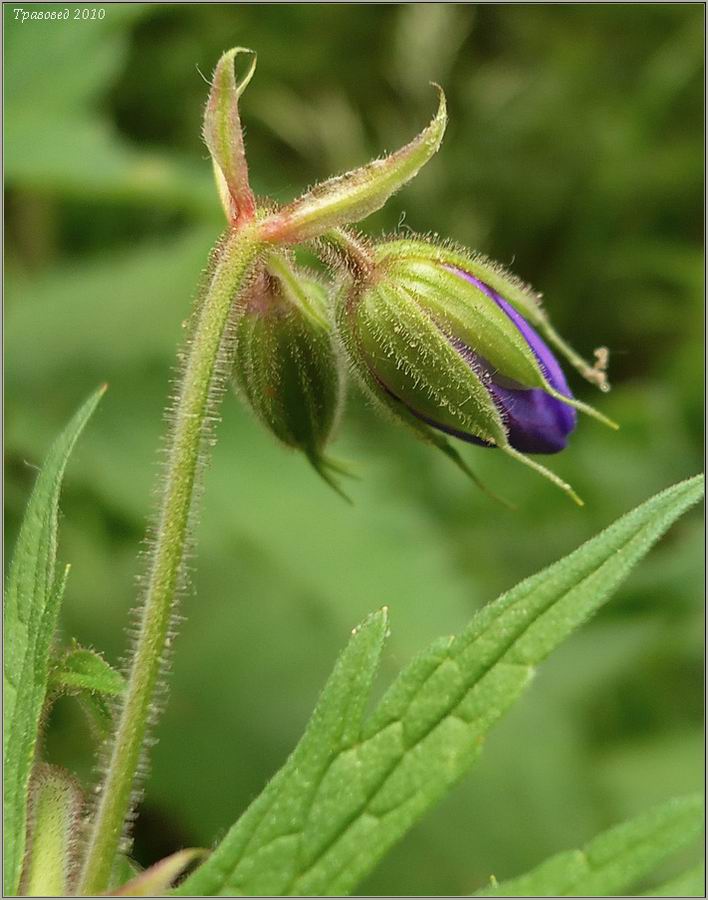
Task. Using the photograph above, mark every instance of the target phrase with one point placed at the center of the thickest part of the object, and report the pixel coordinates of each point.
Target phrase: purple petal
(535, 421)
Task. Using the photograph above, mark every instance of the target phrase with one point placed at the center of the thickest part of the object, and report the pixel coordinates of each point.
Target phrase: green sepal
(446, 447)
(392, 408)
(286, 366)
(520, 295)
(327, 468)
(415, 362)
(465, 312)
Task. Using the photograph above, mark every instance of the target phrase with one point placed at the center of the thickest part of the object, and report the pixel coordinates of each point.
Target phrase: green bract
(354, 196)
(285, 364)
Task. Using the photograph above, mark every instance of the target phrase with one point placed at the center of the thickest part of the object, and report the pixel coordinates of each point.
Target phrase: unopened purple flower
(450, 344)
(535, 421)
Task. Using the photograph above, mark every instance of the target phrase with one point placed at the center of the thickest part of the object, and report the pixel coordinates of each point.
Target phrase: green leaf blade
(615, 860)
(691, 883)
(85, 673)
(85, 670)
(266, 838)
(32, 600)
(325, 834)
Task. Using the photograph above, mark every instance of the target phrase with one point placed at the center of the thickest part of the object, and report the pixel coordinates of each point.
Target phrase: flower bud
(285, 365)
(444, 341)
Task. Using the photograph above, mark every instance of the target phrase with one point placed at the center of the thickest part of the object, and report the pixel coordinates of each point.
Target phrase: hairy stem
(166, 564)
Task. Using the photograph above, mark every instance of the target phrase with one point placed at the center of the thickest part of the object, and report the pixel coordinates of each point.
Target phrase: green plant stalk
(56, 803)
(190, 420)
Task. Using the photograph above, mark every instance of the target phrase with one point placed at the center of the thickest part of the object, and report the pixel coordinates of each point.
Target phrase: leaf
(86, 670)
(91, 162)
(100, 45)
(32, 600)
(614, 861)
(53, 317)
(290, 795)
(350, 791)
(89, 157)
(86, 673)
(691, 883)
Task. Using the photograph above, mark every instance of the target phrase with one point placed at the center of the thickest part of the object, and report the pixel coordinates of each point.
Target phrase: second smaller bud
(285, 364)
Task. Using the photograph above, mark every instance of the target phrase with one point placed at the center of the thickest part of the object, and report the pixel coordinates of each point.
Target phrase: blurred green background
(575, 154)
